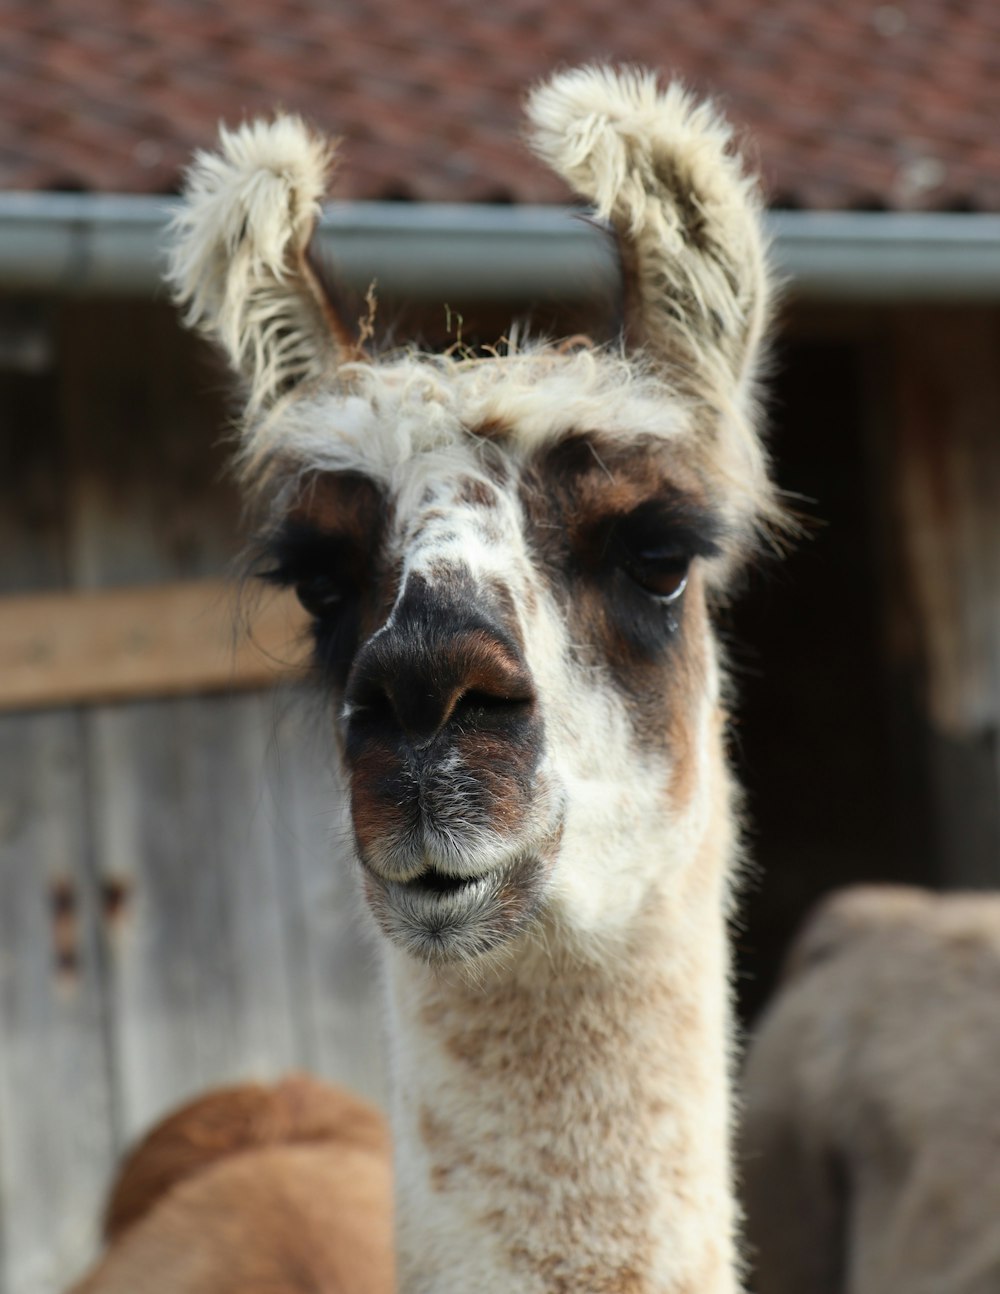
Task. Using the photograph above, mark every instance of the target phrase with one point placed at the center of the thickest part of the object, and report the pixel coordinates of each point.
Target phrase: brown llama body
(871, 1141)
(284, 1189)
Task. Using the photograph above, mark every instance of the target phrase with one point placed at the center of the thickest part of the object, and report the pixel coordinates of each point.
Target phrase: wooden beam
(83, 648)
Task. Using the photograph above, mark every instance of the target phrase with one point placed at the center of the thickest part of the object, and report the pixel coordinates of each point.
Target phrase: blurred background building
(169, 917)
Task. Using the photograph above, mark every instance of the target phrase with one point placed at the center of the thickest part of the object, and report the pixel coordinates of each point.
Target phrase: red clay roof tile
(862, 104)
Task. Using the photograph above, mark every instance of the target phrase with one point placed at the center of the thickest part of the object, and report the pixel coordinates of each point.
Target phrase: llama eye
(660, 572)
(654, 545)
(320, 595)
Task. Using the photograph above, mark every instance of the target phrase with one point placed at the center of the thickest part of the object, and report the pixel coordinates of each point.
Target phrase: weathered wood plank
(236, 950)
(200, 988)
(944, 486)
(56, 1132)
(199, 982)
(173, 639)
(56, 1095)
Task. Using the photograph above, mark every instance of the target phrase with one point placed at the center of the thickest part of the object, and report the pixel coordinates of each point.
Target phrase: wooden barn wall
(169, 915)
(867, 661)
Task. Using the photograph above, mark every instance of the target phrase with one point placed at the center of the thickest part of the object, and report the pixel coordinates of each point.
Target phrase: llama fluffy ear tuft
(661, 167)
(239, 259)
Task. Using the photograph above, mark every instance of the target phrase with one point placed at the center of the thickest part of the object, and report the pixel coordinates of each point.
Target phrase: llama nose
(436, 666)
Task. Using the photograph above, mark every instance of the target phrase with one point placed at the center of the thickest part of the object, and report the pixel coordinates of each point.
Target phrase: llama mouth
(441, 918)
(435, 882)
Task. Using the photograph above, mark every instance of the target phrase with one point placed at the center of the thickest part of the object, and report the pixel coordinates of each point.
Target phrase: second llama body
(871, 1100)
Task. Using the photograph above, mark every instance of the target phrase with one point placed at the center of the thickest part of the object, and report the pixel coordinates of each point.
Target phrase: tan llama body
(283, 1188)
(871, 1109)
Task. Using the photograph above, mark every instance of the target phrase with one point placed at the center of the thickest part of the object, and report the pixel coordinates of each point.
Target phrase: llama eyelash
(658, 535)
(297, 551)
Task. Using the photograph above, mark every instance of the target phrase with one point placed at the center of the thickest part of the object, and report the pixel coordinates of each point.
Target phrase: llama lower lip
(440, 918)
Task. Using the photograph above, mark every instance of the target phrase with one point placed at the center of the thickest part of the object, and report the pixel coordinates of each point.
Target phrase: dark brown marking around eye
(330, 547)
(574, 495)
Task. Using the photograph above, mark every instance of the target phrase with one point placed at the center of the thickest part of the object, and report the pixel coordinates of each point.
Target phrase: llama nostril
(486, 708)
(374, 702)
(416, 689)
(440, 660)
(382, 704)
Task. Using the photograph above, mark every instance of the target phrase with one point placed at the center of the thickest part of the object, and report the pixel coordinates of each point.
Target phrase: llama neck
(564, 1126)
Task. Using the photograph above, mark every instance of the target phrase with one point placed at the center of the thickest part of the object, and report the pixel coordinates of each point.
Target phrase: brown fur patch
(232, 1120)
(687, 686)
(573, 495)
(554, 1051)
(477, 494)
(493, 429)
(343, 503)
(377, 811)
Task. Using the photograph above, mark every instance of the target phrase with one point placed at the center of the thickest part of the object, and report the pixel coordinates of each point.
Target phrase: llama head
(509, 561)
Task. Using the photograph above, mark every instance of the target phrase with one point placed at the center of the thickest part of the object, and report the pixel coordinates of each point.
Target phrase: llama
(287, 1187)
(509, 562)
(871, 1115)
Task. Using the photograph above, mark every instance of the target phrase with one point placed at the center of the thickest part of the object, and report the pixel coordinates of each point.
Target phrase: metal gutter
(872, 257)
(83, 244)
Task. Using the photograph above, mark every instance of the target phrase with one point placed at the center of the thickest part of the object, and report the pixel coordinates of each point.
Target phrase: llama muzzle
(443, 741)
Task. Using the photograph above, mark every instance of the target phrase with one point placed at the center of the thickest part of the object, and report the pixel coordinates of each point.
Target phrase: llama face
(509, 560)
(511, 619)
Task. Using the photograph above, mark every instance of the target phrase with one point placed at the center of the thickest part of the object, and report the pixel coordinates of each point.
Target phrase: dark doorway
(814, 726)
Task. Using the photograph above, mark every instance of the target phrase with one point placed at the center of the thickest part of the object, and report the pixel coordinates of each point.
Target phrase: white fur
(661, 166)
(238, 257)
(384, 416)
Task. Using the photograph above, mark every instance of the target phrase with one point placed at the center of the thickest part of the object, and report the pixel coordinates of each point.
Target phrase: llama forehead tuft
(379, 417)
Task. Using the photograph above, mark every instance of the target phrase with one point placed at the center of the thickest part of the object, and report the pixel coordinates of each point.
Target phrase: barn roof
(857, 106)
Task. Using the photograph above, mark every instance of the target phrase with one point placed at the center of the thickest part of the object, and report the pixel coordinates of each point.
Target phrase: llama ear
(240, 257)
(661, 167)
